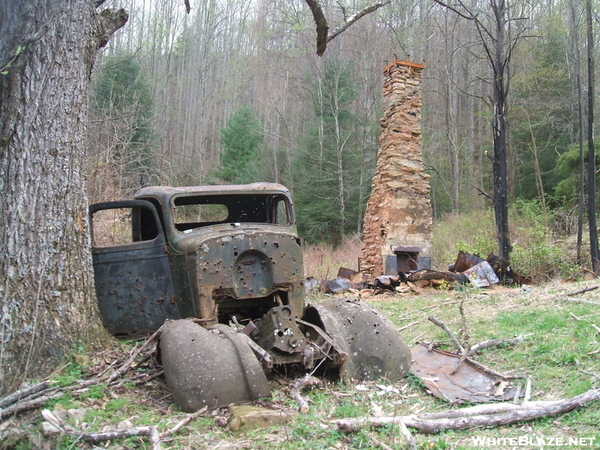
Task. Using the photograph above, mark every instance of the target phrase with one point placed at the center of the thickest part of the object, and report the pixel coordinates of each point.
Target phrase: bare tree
(498, 43)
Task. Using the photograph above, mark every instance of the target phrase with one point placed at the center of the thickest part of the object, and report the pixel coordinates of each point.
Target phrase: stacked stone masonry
(399, 210)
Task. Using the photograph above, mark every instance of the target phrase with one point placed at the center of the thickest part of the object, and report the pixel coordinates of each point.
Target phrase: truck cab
(215, 253)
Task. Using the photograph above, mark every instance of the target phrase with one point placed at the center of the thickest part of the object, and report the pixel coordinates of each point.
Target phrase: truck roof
(253, 188)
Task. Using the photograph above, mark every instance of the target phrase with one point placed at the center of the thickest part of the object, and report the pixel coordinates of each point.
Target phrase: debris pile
(467, 270)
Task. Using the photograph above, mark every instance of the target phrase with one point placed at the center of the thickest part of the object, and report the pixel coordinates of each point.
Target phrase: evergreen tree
(240, 140)
(328, 164)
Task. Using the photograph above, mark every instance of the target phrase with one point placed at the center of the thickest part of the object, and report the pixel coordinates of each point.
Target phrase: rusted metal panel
(134, 286)
(437, 369)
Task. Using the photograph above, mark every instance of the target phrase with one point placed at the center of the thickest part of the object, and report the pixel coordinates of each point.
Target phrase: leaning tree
(47, 50)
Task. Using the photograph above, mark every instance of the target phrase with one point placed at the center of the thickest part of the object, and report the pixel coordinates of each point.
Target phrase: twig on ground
(36, 396)
(182, 423)
(410, 442)
(127, 364)
(579, 319)
(589, 373)
(377, 443)
(527, 395)
(493, 372)
(296, 389)
(412, 312)
(408, 326)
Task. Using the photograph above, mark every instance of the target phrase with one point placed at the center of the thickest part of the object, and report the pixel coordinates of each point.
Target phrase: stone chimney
(399, 210)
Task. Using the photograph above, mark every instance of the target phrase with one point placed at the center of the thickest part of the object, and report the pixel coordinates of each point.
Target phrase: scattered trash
(468, 269)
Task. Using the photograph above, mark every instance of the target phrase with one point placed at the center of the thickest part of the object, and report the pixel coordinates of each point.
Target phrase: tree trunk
(595, 253)
(500, 160)
(47, 299)
(578, 125)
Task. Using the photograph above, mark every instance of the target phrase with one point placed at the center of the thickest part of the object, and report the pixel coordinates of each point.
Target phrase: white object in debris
(482, 275)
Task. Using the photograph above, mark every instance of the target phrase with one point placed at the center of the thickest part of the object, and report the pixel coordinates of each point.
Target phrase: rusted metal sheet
(465, 261)
(437, 369)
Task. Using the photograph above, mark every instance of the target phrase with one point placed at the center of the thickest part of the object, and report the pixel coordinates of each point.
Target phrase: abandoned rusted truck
(222, 266)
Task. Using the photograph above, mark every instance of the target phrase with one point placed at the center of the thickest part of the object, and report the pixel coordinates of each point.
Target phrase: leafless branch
(323, 36)
(355, 17)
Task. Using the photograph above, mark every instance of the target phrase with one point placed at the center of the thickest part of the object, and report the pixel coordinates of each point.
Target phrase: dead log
(427, 275)
(489, 415)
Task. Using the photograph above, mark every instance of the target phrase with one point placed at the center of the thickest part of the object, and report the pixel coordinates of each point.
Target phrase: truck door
(134, 283)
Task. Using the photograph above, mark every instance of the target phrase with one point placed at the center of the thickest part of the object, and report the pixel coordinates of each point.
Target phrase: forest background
(234, 92)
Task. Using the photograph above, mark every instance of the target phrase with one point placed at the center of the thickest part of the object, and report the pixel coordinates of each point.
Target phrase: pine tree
(240, 140)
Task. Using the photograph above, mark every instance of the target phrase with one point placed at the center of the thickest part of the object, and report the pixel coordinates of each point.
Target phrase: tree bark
(47, 299)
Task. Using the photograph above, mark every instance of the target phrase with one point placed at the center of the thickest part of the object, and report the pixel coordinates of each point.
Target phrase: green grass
(559, 355)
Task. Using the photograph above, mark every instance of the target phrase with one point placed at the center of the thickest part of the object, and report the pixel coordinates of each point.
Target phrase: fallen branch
(584, 290)
(101, 436)
(36, 396)
(476, 416)
(296, 389)
(24, 393)
(28, 405)
(497, 342)
(448, 331)
(149, 431)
